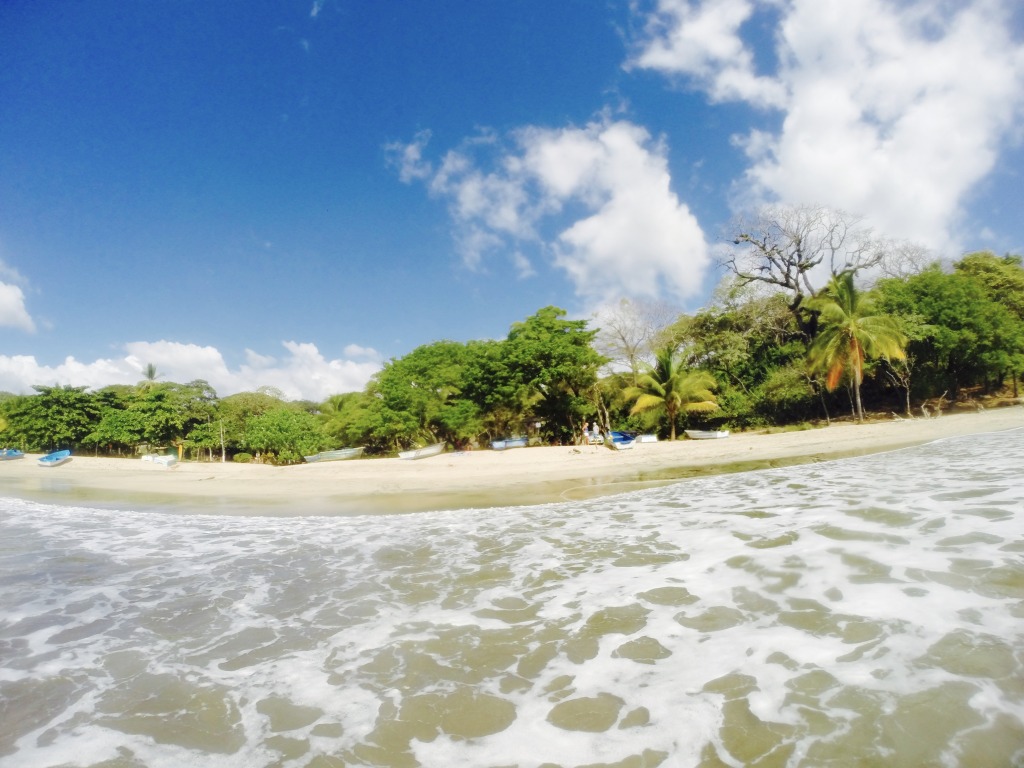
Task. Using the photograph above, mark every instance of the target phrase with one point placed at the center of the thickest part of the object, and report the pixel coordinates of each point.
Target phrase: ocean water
(864, 612)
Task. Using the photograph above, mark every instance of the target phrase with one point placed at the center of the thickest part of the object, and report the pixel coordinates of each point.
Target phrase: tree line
(773, 348)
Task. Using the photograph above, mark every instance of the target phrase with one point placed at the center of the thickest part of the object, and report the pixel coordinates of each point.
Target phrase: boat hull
(620, 441)
(339, 455)
(706, 434)
(161, 459)
(511, 442)
(8, 454)
(422, 453)
(55, 459)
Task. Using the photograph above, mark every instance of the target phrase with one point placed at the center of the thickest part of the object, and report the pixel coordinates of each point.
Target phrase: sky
(290, 193)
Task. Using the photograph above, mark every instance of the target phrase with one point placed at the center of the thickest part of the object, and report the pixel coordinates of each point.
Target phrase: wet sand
(483, 478)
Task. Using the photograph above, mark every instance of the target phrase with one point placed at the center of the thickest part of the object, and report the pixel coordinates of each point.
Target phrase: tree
(963, 337)
(149, 377)
(1002, 279)
(287, 432)
(419, 397)
(745, 338)
(629, 332)
(795, 247)
(850, 333)
(668, 387)
(55, 417)
(118, 428)
(235, 412)
(552, 362)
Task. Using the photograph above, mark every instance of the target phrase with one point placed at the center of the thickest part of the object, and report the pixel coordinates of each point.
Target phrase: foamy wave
(866, 608)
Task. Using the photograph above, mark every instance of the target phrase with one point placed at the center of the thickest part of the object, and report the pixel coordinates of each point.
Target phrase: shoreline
(475, 479)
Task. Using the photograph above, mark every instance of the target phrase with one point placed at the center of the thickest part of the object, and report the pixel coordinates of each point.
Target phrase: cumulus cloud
(13, 313)
(302, 373)
(701, 40)
(596, 200)
(893, 111)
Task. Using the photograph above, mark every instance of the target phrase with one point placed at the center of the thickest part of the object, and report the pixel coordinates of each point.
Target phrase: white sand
(470, 479)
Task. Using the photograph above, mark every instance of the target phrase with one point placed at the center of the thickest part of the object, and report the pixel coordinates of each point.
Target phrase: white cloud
(13, 313)
(408, 158)
(303, 373)
(701, 40)
(628, 234)
(893, 111)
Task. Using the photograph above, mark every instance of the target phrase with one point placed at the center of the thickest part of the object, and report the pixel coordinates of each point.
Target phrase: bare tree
(903, 259)
(631, 330)
(799, 248)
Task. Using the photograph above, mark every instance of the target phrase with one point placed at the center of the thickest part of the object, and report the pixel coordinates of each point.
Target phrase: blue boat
(621, 441)
(55, 459)
(11, 453)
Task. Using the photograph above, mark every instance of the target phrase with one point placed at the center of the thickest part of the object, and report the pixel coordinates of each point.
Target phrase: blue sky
(289, 193)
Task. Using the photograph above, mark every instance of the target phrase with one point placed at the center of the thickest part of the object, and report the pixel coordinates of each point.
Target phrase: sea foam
(860, 611)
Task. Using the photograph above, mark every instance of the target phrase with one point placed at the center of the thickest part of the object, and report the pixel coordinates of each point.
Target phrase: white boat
(509, 442)
(647, 438)
(166, 460)
(706, 434)
(339, 455)
(422, 453)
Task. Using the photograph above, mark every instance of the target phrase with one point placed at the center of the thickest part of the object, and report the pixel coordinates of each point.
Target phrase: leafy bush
(242, 458)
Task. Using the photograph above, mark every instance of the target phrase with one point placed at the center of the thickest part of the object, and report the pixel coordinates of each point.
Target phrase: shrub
(242, 458)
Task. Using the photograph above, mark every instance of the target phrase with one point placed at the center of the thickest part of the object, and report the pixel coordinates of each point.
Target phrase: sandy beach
(483, 478)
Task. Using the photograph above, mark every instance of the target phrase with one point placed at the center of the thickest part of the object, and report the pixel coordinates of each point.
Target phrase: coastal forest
(814, 322)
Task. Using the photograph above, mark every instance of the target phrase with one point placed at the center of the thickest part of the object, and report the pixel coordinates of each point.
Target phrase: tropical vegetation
(763, 353)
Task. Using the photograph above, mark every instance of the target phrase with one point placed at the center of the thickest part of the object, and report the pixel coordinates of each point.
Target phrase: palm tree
(668, 386)
(150, 376)
(850, 333)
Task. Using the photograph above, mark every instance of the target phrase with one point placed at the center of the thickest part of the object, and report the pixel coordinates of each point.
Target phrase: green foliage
(56, 417)
(236, 411)
(342, 418)
(667, 387)
(419, 398)
(962, 337)
(785, 395)
(286, 434)
(552, 363)
(120, 429)
(744, 359)
(851, 332)
(1001, 278)
(242, 458)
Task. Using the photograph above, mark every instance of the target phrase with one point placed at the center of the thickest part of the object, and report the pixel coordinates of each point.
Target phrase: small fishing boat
(11, 453)
(166, 460)
(339, 455)
(620, 441)
(707, 434)
(647, 438)
(509, 442)
(422, 453)
(55, 459)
